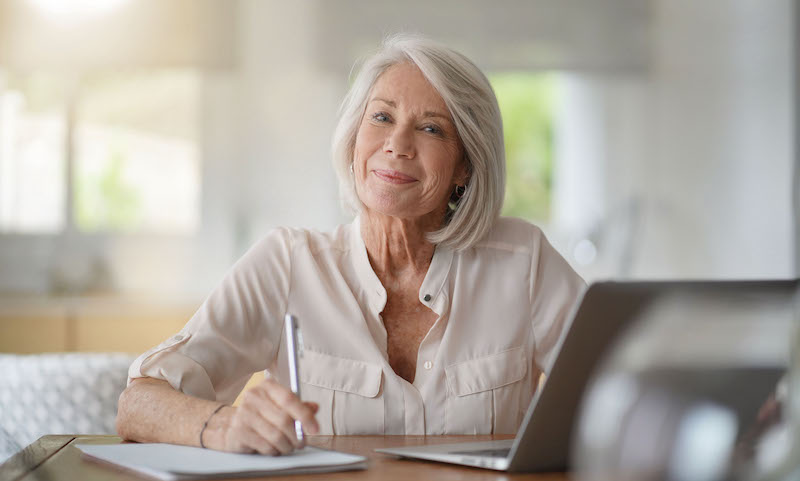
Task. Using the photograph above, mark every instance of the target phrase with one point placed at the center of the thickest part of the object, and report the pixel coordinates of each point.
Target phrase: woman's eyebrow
(388, 102)
(426, 114)
(437, 114)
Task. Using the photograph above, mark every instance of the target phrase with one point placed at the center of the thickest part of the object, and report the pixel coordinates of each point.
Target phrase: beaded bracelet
(205, 424)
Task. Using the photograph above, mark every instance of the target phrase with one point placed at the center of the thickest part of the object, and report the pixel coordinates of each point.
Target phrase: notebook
(173, 462)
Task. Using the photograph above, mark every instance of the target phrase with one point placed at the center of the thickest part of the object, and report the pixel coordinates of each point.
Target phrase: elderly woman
(428, 314)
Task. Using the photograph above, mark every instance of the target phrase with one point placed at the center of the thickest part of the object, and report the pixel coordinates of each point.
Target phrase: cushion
(67, 393)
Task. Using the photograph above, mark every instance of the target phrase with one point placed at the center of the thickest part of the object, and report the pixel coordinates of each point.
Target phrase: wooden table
(53, 458)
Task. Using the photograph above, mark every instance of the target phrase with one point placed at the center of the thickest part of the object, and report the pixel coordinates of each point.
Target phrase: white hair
(472, 104)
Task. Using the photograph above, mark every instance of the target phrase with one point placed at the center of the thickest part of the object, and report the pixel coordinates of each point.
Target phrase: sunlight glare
(75, 9)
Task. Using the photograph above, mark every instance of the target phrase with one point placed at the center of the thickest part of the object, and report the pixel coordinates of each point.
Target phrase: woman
(429, 314)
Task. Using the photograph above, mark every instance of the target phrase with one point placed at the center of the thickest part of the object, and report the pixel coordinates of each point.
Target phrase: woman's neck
(398, 247)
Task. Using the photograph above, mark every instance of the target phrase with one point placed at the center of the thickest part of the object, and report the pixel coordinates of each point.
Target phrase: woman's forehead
(404, 84)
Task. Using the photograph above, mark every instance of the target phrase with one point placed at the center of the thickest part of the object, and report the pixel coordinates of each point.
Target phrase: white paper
(170, 461)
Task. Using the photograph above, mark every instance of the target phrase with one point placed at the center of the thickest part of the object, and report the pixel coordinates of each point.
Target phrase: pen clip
(300, 348)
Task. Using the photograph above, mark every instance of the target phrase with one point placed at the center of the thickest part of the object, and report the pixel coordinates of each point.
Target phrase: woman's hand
(264, 422)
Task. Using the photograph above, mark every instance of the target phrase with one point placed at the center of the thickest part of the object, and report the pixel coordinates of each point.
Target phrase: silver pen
(294, 347)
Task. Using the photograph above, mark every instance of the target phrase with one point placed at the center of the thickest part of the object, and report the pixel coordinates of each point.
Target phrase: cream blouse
(502, 308)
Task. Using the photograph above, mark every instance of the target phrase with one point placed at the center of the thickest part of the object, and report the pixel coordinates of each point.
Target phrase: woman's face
(407, 156)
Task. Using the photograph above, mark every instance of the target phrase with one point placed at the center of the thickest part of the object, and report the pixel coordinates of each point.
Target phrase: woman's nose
(400, 142)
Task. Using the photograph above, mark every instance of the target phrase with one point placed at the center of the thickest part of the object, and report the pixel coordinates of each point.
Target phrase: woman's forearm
(150, 410)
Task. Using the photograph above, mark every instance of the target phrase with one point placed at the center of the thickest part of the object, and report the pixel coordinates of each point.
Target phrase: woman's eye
(432, 129)
(380, 117)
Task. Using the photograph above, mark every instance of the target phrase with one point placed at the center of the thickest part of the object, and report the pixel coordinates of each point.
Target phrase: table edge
(33, 455)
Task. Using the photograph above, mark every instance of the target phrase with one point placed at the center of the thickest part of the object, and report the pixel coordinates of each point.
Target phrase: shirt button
(427, 297)
(428, 365)
(177, 337)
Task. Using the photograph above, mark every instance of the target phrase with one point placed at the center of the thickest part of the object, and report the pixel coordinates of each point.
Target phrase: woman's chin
(400, 210)
(391, 206)
(389, 210)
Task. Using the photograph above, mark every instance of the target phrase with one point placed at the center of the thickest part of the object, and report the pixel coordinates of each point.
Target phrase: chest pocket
(348, 393)
(485, 395)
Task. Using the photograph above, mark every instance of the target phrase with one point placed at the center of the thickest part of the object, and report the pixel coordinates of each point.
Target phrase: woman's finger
(280, 419)
(254, 415)
(256, 442)
(290, 403)
(254, 420)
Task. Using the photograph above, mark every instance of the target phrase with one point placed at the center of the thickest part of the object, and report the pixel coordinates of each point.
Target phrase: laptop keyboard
(492, 453)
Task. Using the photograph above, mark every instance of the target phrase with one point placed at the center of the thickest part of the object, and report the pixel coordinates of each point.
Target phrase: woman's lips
(393, 176)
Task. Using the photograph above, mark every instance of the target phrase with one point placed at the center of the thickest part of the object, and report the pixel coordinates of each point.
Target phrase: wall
(687, 171)
(721, 134)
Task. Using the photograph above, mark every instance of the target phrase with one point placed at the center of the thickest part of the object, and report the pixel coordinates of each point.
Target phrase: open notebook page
(173, 462)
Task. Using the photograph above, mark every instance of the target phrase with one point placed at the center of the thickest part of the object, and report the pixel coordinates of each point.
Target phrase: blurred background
(146, 144)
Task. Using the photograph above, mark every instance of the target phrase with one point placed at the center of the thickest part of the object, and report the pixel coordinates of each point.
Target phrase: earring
(456, 195)
(351, 168)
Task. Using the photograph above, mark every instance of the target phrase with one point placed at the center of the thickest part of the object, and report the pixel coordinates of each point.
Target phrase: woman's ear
(462, 173)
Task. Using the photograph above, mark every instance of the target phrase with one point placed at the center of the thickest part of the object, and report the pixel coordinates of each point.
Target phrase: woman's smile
(393, 176)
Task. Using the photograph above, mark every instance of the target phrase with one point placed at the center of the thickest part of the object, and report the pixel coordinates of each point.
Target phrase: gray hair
(472, 104)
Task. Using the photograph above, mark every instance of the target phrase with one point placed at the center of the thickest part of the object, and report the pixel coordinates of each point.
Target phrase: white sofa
(65, 393)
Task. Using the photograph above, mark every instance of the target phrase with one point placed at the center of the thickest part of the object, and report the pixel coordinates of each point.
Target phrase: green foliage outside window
(526, 104)
(105, 201)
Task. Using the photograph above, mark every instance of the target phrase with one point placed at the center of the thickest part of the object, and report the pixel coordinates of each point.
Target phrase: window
(32, 157)
(526, 104)
(137, 159)
(135, 155)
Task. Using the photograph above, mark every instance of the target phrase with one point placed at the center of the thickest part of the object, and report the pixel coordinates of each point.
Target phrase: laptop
(604, 312)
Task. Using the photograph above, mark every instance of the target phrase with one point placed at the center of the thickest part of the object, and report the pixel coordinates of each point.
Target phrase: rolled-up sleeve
(236, 331)
(555, 289)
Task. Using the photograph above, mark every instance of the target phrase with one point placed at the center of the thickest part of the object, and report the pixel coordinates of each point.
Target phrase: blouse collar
(431, 293)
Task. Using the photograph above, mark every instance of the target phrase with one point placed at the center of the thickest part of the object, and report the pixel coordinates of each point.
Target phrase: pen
(294, 347)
